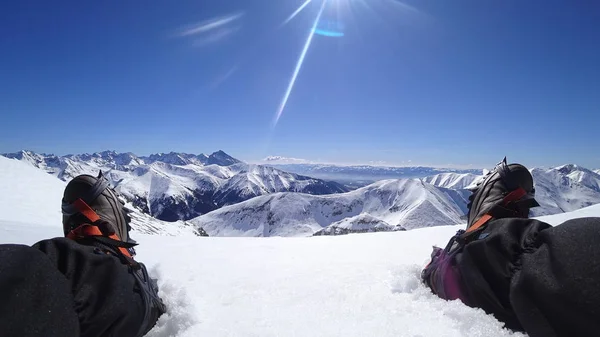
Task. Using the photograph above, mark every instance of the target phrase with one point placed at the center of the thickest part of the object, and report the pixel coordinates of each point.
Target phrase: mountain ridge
(178, 186)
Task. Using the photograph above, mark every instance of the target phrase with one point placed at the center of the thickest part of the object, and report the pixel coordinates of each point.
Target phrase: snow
(557, 219)
(353, 285)
(452, 180)
(362, 223)
(29, 194)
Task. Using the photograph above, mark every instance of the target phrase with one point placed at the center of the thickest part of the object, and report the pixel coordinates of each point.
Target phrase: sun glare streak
(299, 65)
(296, 12)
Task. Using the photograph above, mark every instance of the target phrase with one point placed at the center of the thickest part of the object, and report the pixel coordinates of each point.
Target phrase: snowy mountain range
(179, 186)
(385, 205)
(227, 197)
(391, 205)
(359, 175)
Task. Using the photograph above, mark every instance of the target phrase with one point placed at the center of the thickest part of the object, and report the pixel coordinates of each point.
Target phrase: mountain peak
(177, 158)
(568, 168)
(221, 158)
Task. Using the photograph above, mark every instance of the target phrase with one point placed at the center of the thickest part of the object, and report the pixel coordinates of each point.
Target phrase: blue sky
(430, 82)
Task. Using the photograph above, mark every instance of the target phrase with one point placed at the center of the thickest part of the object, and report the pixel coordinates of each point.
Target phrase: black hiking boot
(86, 192)
(94, 215)
(506, 191)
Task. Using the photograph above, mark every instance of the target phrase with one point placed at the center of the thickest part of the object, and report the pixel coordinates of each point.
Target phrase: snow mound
(361, 223)
(181, 313)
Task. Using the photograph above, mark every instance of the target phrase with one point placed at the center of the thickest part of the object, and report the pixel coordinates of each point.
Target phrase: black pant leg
(556, 289)
(35, 298)
(107, 299)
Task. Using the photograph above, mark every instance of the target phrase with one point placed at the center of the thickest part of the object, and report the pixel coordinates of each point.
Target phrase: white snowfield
(353, 285)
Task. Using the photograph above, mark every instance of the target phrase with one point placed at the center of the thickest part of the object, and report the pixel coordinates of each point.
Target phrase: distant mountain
(385, 205)
(175, 158)
(362, 175)
(581, 175)
(564, 189)
(362, 223)
(275, 160)
(222, 159)
(597, 171)
(260, 180)
(179, 186)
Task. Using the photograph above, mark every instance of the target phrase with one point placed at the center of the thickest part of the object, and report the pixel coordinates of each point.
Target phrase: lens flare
(297, 11)
(330, 28)
(298, 65)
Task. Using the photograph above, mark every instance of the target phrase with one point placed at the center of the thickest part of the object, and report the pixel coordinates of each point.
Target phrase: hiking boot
(86, 192)
(506, 191)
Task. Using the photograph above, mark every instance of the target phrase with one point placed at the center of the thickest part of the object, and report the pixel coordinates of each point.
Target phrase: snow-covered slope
(597, 171)
(179, 186)
(31, 196)
(452, 180)
(557, 219)
(28, 194)
(402, 204)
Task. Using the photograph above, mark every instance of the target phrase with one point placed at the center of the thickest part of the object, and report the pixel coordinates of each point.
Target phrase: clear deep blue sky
(435, 82)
